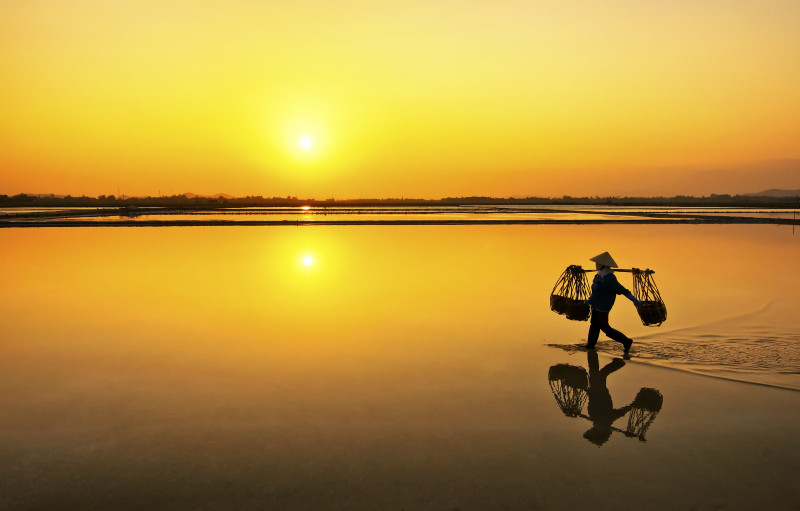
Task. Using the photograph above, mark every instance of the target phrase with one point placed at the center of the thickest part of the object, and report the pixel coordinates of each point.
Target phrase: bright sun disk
(305, 142)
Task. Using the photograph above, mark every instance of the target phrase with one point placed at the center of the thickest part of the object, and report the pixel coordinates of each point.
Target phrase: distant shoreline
(195, 202)
(222, 223)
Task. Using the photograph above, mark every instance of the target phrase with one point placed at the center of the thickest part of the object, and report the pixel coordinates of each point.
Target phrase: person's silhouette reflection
(573, 387)
(601, 409)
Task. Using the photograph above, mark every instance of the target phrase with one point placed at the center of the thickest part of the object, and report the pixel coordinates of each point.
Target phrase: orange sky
(419, 99)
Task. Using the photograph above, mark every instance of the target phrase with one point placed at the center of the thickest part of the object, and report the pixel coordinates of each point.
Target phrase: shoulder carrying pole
(627, 270)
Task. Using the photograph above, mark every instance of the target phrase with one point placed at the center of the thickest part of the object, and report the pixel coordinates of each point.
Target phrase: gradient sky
(402, 98)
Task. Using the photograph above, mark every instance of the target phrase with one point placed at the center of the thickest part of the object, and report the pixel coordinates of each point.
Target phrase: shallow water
(410, 215)
(373, 367)
(388, 214)
(306, 282)
(706, 210)
(760, 347)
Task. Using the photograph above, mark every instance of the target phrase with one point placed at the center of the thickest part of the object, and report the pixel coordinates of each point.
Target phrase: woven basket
(652, 312)
(558, 304)
(577, 310)
(570, 293)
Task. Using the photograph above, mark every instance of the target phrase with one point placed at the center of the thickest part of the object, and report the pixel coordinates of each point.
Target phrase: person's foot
(628, 345)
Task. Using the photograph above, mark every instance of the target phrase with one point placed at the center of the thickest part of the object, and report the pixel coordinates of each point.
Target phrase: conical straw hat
(605, 259)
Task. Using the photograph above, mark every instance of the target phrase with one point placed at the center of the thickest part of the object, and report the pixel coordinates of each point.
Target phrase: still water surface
(273, 359)
(731, 291)
(356, 214)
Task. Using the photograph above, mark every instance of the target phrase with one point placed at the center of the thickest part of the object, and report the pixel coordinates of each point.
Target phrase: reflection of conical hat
(605, 259)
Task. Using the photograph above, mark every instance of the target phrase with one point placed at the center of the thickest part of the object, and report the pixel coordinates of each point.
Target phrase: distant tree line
(195, 201)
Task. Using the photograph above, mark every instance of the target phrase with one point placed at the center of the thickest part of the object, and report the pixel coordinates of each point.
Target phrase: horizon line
(784, 193)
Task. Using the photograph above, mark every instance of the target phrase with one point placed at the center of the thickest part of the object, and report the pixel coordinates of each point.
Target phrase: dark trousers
(600, 322)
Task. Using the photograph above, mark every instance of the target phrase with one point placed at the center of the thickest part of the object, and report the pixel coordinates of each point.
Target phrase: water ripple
(762, 347)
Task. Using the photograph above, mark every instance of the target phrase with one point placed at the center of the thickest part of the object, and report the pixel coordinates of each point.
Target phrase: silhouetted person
(605, 288)
(601, 409)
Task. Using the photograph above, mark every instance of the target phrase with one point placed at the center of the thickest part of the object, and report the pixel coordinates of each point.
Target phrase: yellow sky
(411, 98)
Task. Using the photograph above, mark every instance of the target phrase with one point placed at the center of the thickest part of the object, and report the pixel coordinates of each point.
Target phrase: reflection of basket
(652, 310)
(649, 399)
(644, 409)
(569, 384)
(570, 294)
(652, 313)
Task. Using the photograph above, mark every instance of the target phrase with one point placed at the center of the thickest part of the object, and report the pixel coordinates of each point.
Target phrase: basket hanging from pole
(652, 310)
(570, 293)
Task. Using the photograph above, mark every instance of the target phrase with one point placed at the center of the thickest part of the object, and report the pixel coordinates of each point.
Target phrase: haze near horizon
(419, 99)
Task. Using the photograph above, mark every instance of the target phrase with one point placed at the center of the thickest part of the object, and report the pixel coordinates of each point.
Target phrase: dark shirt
(605, 289)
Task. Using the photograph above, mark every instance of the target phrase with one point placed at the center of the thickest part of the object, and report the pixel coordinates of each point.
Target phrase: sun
(305, 142)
